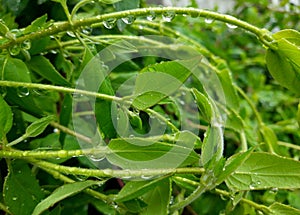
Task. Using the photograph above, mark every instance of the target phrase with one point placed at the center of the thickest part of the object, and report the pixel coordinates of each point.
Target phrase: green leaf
(278, 208)
(284, 62)
(140, 153)
(95, 78)
(37, 127)
(135, 205)
(21, 189)
(134, 189)
(6, 118)
(37, 24)
(158, 199)
(213, 144)
(166, 78)
(232, 164)
(263, 171)
(204, 105)
(44, 68)
(270, 138)
(61, 193)
(224, 75)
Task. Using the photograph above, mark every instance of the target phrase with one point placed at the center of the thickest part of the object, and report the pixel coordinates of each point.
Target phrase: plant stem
(71, 132)
(259, 207)
(66, 179)
(4, 208)
(108, 173)
(256, 113)
(60, 89)
(263, 35)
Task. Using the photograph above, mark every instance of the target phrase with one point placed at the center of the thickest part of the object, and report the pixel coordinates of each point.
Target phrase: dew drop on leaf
(26, 45)
(110, 23)
(231, 26)
(14, 198)
(128, 20)
(97, 157)
(168, 16)
(151, 16)
(71, 34)
(22, 92)
(208, 21)
(14, 50)
(87, 30)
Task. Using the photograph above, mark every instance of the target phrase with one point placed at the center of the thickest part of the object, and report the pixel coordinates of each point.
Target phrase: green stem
(60, 89)
(66, 179)
(4, 208)
(71, 132)
(256, 113)
(289, 145)
(258, 207)
(263, 35)
(107, 173)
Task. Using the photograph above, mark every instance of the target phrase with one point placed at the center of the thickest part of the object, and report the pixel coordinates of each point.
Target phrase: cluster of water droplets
(16, 48)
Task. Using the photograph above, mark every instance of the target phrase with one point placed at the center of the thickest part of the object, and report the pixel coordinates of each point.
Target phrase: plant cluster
(122, 107)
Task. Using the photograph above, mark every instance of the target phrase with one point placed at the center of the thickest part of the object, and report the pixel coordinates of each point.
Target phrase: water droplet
(151, 16)
(275, 189)
(168, 16)
(55, 130)
(208, 21)
(181, 102)
(131, 136)
(128, 20)
(14, 198)
(87, 30)
(97, 157)
(22, 92)
(252, 186)
(26, 45)
(231, 26)
(146, 177)
(110, 23)
(71, 34)
(14, 50)
(3, 91)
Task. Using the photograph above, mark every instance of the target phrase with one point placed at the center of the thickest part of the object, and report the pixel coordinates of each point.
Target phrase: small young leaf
(269, 138)
(62, 193)
(21, 189)
(37, 24)
(158, 199)
(44, 68)
(37, 127)
(263, 171)
(6, 118)
(284, 62)
(134, 189)
(278, 208)
(204, 105)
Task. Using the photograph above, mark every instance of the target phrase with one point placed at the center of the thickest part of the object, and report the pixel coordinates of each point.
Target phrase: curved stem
(60, 89)
(263, 35)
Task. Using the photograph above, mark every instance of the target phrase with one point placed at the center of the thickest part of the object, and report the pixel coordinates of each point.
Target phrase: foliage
(116, 107)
